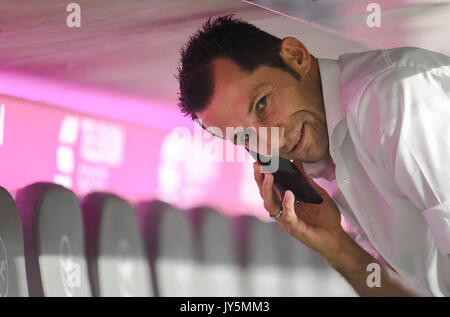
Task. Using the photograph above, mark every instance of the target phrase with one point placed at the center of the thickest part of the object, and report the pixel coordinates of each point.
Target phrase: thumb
(293, 224)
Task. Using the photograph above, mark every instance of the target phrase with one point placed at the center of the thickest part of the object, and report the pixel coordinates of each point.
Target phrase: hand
(316, 225)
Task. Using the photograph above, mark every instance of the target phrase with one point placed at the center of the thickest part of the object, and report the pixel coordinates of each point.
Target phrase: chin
(312, 156)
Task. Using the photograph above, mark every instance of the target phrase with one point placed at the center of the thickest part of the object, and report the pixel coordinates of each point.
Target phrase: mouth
(298, 142)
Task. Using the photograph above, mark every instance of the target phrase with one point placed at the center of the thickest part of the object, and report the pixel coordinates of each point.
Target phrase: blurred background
(94, 109)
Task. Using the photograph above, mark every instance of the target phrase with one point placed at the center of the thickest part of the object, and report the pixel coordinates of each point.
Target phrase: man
(376, 123)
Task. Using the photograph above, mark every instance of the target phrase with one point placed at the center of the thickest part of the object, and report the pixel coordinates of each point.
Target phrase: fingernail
(289, 194)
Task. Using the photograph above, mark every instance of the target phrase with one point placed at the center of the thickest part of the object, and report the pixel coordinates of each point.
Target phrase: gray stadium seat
(305, 272)
(54, 242)
(13, 280)
(116, 256)
(218, 269)
(329, 281)
(263, 275)
(170, 247)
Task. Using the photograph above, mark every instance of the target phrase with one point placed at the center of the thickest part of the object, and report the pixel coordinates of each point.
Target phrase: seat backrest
(170, 247)
(306, 272)
(116, 256)
(262, 270)
(218, 269)
(13, 280)
(54, 241)
(302, 267)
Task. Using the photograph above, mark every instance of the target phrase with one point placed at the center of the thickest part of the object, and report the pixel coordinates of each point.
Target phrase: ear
(295, 55)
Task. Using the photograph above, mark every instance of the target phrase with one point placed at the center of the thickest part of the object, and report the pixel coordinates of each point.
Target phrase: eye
(261, 103)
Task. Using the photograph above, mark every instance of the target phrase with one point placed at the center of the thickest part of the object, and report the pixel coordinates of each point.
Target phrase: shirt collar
(334, 109)
(334, 113)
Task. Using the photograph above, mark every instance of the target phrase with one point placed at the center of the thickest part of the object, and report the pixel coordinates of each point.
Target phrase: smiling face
(271, 97)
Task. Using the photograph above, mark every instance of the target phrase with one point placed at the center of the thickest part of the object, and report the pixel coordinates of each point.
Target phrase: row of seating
(53, 243)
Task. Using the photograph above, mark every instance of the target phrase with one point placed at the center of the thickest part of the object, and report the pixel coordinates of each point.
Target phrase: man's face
(276, 99)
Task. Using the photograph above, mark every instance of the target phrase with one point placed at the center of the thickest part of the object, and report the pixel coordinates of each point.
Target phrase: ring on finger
(278, 215)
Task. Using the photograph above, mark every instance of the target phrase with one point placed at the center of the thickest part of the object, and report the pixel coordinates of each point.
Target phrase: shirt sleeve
(409, 137)
(349, 222)
(358, 235)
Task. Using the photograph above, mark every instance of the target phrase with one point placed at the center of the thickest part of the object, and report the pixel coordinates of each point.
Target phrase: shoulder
(400, 100)
(382, 68)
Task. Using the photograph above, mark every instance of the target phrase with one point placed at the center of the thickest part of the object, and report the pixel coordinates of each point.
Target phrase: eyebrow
(252, 102)
(255, 94)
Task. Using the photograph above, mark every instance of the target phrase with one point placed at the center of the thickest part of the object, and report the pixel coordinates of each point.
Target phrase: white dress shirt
(388, 120)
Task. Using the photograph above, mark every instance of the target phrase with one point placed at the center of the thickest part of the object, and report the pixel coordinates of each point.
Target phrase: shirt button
(346, 181)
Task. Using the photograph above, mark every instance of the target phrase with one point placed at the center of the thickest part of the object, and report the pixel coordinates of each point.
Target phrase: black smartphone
(287, 176)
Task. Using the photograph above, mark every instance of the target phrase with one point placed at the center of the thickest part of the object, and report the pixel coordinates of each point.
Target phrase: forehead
(232, 88)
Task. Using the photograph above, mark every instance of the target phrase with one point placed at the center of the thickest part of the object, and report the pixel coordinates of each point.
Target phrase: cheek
(320, 132)
(320, 140)
(279, 111)
(286, 101)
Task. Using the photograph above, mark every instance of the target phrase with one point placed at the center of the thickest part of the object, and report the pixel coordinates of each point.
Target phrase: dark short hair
(229, 37)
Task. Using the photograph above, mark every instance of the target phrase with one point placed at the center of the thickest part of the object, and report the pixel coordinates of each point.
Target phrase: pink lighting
(43, 143)
(87, 153)
(91, 101)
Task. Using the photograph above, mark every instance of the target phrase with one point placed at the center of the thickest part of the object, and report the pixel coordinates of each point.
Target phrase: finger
(271, 203)
(259, 177)
(289, 219)
(278, 192)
